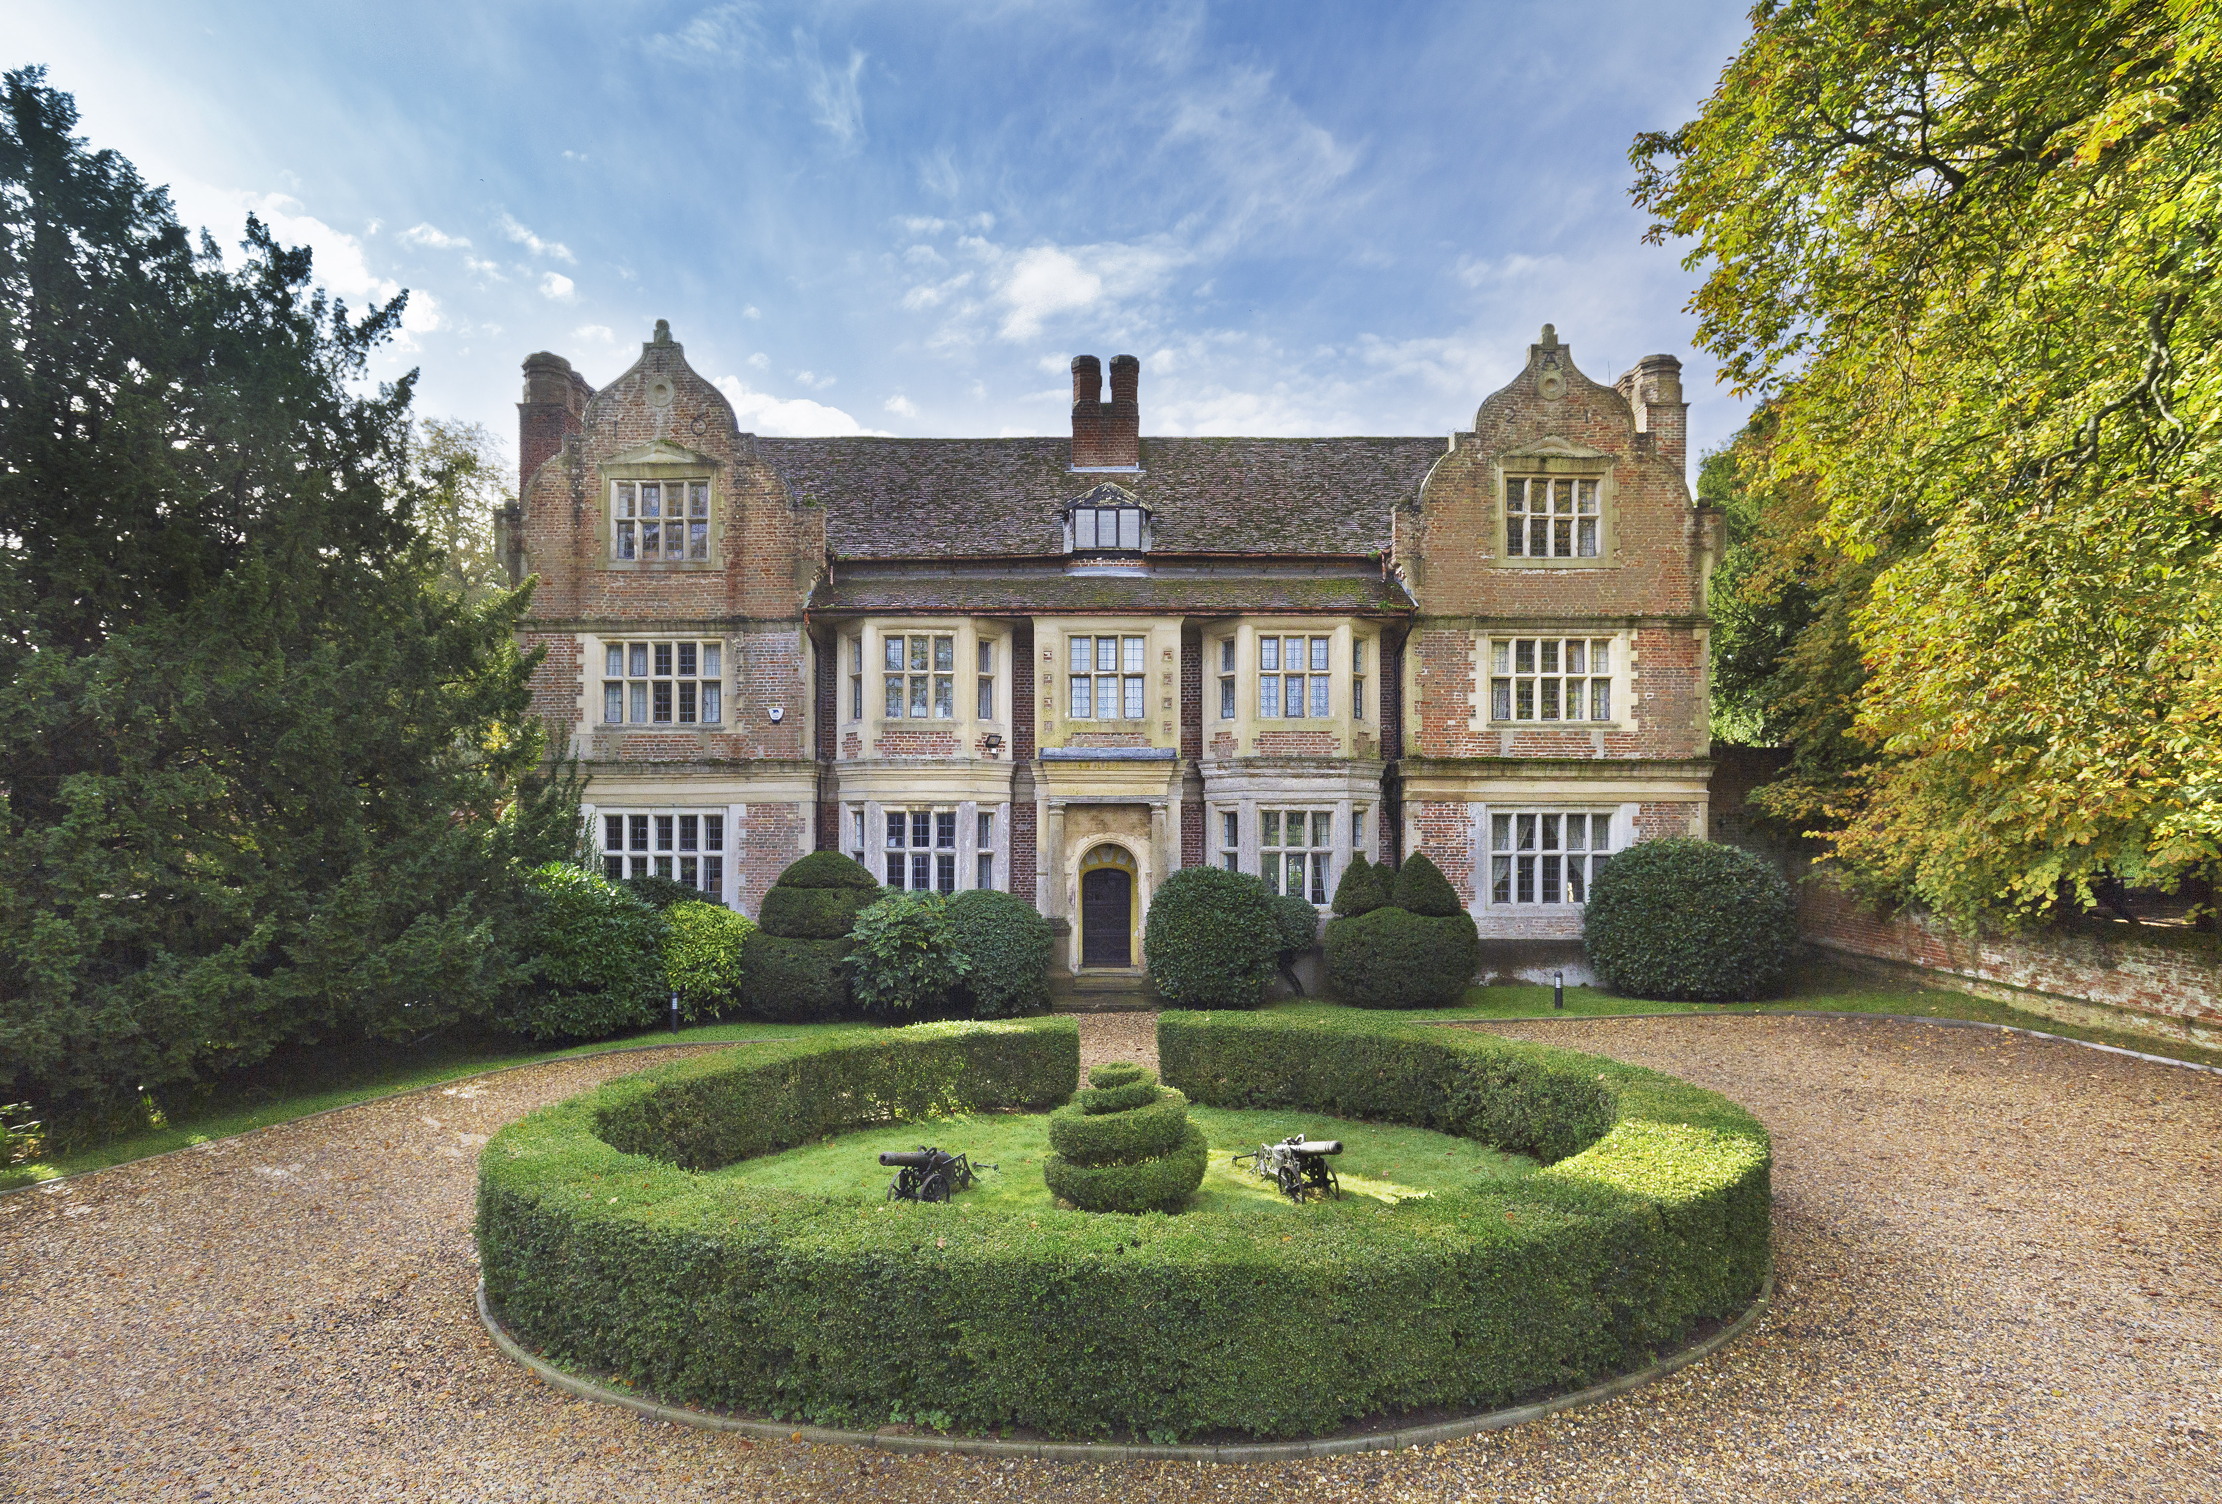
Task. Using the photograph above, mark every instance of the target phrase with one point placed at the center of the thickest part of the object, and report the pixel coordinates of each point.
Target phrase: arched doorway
(1107, 908)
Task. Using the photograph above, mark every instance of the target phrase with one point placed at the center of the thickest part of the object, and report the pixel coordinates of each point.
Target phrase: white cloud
(1044, 281)
(554, 250)
(490, 270)
(836, 102)
(751, 312)
(600, 334)
(901, 406)
(814, 381)
(432, 237)
(336, 256)
(558, 288)
(928, 294)
(721, 33)
(791, 417)
(423, 314)
(760, 361)
(574, 156)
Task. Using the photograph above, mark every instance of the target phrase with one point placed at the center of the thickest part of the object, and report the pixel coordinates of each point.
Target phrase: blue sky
(907, 218)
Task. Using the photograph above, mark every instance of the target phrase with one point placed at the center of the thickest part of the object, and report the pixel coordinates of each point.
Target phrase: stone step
(1097, 993)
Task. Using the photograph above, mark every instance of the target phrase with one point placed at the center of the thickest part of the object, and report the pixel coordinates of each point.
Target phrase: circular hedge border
(601, 1247)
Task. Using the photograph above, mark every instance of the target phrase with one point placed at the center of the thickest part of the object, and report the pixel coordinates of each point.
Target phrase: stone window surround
(1555, 459)
(694, 468)
(1625, 663)
(874, 815)
(1342, 632)
(865, 636)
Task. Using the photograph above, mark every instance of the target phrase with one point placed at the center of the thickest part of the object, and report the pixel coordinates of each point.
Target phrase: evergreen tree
(262, 778)
(1362, 889)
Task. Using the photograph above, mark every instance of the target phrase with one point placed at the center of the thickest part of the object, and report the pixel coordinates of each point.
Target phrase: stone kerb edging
(1895, 1018)
(1100, 1451)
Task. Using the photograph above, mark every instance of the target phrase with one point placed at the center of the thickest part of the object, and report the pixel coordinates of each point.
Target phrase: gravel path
(1997, 1280)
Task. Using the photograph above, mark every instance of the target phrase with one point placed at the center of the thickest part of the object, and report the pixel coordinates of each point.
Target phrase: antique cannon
(1297, 1165)
(928, 1174)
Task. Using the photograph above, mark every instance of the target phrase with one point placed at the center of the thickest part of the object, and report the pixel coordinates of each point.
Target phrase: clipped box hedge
(598, 1246)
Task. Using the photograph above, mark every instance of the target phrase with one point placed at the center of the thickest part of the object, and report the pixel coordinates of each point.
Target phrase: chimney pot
(1106, 435)
(1087, 380)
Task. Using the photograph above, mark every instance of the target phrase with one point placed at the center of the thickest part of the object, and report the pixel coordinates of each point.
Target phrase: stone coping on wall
(904, 1440)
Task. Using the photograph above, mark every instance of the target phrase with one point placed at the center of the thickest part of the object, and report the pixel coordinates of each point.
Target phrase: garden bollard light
(1558, 990)
(675, 1011)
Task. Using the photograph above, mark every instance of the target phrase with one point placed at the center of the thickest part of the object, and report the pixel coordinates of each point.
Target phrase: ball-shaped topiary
(1421, 888)
(792, 968)
(1298, 920)
(1362, 889)
(596, 959)
(1125, 1145)
(1009, 947)
(1689, 921)
(1212, 939)
(1393, 958)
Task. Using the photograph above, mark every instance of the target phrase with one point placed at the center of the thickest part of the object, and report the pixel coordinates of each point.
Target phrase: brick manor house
(1068, 666)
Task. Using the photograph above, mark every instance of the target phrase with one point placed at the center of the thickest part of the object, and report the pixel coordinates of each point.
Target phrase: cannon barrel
(1319, 1146)
(916, 1158)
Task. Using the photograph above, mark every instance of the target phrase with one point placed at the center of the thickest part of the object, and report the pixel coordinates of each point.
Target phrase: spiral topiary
(1125, 1145)
(791, 968)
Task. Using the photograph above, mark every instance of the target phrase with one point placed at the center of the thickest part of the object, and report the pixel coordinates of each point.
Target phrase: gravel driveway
(1997, 1280)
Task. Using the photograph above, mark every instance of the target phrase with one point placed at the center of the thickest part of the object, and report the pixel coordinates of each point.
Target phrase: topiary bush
(1681, 920)
(1125, 1145)
(793, 968)
(903, 955)
(1421, 888)
(1394, 958)
(1298, 920)
(1008, 948)
(1362, 889)
(702, 957)
(595, 958)
(1212, 939)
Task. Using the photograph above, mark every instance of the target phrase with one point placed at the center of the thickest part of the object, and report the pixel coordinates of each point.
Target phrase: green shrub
(794, 969)
(1689, 921)
(1162, 1183)
(1393, 958)
(1421, 888)
(1125, 1146)
(661, 893)
(595, 953)
(813, 913)
(702, 957)
(598, 1248)
(1211, 939)
(1298, 920)
(904, 956)
(1362, 889)
(1102, 1138)
(1117, 1073)
(828, 869)
(1009, 948)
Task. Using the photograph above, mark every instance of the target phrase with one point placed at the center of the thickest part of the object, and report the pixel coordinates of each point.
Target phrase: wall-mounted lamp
(993, 742)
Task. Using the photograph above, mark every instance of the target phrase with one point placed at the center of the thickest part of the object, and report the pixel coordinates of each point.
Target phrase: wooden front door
(1106, 917)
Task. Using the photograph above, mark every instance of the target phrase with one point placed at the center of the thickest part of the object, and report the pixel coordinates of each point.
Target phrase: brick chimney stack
(1654, 391)
(1106, 435)
(554, 406)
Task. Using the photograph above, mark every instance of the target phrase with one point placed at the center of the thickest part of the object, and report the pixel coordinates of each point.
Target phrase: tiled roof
(948, 498)
(1023, 593)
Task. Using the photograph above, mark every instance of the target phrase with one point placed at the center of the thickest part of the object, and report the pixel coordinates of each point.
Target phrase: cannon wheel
(935, 1187)
(1292, 1182)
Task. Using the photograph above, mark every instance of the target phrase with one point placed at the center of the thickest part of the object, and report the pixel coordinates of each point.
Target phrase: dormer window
(1107, 520)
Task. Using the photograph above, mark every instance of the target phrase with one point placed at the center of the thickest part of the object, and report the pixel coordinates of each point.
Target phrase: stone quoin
(1067, 667)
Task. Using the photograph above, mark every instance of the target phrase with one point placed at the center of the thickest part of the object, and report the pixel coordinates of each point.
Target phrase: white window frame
(688, 845)
(643, 682)
(1520, 689)
(1121, 673)
(1313, 857)
(1312, 683)
(1532, 857)
(630, 522)
(921, 675)
(1569, 525)
(927, 851)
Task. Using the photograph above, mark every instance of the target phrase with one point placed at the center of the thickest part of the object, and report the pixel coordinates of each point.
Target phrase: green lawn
(1380, 1165)
(296, 1082)
(1819, 986)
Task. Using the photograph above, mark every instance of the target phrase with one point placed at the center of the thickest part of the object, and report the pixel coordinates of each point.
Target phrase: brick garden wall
(2169, 986)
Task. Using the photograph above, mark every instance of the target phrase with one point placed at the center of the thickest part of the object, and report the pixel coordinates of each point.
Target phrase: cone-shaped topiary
(1421, 887)
(791, 967)
(1125, 1145)
(1361, 890)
